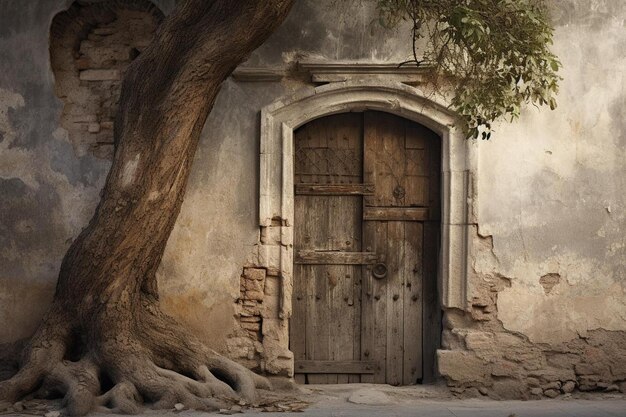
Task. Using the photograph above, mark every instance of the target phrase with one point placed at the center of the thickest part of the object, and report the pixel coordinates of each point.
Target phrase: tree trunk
(105, 341)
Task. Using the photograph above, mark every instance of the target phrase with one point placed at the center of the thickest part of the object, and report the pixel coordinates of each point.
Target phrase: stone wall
(544, 308)
(261, 339)
(480, 357)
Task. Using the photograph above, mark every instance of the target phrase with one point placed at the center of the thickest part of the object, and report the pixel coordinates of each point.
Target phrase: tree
(105, 340)
(493, 55)
(105, 326)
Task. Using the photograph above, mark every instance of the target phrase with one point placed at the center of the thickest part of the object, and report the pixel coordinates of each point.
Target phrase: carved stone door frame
(276, 193)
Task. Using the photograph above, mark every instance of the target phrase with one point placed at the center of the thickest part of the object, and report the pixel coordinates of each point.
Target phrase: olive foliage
(494, 55)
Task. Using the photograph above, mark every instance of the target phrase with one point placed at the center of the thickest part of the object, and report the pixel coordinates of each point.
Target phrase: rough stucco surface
(546, 289)
(559, 178)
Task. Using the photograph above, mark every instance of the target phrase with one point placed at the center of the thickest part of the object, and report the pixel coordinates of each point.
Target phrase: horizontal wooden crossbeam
(334, 189)
(416, 214)
(313, 257)
(334, 367)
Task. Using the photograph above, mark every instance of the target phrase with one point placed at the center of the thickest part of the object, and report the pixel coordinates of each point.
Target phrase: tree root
(146, 360)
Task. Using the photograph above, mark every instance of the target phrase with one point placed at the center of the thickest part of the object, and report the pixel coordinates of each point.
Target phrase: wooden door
(366, 221)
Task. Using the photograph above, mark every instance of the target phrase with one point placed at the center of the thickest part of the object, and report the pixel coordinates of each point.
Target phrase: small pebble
(179, 406)
(18, 406)
(52, 414)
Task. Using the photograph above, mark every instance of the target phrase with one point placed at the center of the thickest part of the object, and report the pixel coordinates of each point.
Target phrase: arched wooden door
(365, 244)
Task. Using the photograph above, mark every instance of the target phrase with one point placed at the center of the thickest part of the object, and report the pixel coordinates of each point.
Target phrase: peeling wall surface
(545, 310)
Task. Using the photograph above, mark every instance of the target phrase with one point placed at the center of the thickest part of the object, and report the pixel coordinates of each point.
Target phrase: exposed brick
(88, 80)
(254, 295)
(256, 274)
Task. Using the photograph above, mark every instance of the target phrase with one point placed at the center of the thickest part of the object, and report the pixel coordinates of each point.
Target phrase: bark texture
(105, 341)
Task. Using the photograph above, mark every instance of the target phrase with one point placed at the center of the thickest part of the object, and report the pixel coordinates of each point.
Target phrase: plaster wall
(547, 253)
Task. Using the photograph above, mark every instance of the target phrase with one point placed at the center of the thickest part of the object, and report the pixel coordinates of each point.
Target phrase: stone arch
(91, 45)
(276, 205)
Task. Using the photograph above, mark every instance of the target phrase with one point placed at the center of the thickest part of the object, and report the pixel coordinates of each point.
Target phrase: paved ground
(432, 401)
(467, 408)
(363, 400)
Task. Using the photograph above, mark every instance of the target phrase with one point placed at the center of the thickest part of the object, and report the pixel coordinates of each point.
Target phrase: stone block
(533, 382)
(254, 295)
(556, 385)
(563, 360)
(618, 368)
(568, 387)
(275, 329)
(483, 344)
(455, 319)
(271, 235)
(548, 375)
(269, 256)
(551, 393)
(461, 366)
(597, 368)
(588, 382)
(253, 285)
(254, 274)
(100, 75)
(250, 319)
(272, 286)
(271, 307)
(504, 369)
(509, 389)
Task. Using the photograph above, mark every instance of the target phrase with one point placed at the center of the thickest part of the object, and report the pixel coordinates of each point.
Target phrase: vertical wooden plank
(370, 143)
(395, 301)
(416, 180)
(318, 329)
(344, 227)
(297, 322)
(355, 300)
(374, 305)
(328, 151)
(385, 159)
(413, 299)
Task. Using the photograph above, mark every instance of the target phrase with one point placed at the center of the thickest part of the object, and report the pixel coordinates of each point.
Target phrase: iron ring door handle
(379, 271)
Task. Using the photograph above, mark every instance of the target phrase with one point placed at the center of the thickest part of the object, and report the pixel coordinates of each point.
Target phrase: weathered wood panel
(395, 302)
(413, 300)
(396, 160)
(374, 305)
(410, 214)
(333, 367)
(335, 257)
(367, 198)
(334, 189)
(327, 243)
